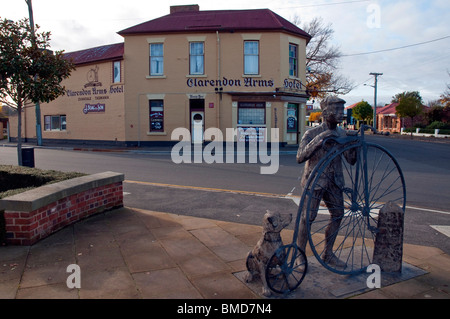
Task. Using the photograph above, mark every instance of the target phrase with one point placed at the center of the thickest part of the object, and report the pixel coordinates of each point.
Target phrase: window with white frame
(251, 57)
(55, 123)
(293, 60)
(156, 59)
(196, 58)
(116, 72)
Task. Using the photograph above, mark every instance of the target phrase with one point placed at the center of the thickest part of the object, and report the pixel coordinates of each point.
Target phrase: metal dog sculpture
(257, 259)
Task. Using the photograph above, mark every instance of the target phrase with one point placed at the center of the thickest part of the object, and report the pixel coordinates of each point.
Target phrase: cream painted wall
(224, 61)
(104, 126)
(126, 115)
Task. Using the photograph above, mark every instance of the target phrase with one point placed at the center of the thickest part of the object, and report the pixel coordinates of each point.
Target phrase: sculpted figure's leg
(303, 230)
(335, 204)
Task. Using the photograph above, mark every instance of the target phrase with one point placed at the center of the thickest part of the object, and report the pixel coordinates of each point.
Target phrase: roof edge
(102, 53)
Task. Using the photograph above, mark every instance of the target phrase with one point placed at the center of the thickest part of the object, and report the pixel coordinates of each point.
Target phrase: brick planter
(35, 214)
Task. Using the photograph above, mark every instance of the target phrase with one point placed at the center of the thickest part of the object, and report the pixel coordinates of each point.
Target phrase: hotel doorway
(197, 111)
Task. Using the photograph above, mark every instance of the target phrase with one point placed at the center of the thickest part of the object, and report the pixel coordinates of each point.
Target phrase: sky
(407, 41)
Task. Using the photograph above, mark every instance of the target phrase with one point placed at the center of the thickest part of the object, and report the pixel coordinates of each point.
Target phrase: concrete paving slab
(168, 283)
(320, 283)
(133, 253)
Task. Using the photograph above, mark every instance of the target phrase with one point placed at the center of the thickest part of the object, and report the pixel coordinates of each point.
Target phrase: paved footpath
(139, 254)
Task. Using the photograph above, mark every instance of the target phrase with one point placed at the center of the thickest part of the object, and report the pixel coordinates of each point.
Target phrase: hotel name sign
(290, 84)
(93, 92)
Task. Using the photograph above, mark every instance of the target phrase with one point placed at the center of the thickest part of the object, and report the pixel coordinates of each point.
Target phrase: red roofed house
(388, 121)
(222, 69)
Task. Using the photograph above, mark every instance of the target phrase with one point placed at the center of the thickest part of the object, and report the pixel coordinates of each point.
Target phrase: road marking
(296, 199)
(208, 189)
(428, 210)
(442, 229)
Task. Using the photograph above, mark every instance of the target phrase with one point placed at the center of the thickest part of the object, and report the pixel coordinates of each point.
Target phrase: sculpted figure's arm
(309, 145)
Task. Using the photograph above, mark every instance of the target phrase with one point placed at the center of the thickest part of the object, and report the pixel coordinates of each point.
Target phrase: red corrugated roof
(219, 20)
(97, 54)
(351, 106)
(388, 109)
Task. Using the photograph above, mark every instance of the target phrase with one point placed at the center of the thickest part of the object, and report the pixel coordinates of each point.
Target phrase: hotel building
(193, 69)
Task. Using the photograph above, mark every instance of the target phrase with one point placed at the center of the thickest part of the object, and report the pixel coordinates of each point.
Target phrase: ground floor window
(292, 118)
(55, 123)
(156, 115)
(252, 113)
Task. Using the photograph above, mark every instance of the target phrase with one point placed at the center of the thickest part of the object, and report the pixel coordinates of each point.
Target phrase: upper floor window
(156, 59)
(293, 60)
(116, 72)
(251, 57)
(196, 58)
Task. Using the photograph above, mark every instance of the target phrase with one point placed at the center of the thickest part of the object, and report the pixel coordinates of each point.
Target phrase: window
(156, 115)
(196, 58)
(55, 123)
(253, 113)
(156, 59)
(293, 60)
(251, 57)
(292, 118)
(116, 72)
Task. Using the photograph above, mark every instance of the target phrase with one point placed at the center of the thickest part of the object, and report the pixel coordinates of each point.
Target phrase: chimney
(184, 8)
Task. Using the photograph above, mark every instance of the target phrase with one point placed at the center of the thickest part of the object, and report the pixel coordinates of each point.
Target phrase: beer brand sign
(94, 108)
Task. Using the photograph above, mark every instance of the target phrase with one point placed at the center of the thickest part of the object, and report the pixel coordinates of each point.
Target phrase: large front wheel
(343, 200)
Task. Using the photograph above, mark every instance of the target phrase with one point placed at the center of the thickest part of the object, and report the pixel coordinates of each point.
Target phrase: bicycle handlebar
(356, 137)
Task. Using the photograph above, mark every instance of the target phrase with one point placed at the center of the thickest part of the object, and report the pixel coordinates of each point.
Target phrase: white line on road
(296, 199)
(442, 229)
(428, 210)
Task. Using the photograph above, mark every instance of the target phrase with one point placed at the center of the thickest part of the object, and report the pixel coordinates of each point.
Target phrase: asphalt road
(238, 192)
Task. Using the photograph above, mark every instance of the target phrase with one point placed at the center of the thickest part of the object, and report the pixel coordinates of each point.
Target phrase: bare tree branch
(322, 59)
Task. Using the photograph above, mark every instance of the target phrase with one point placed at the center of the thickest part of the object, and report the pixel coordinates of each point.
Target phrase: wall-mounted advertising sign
(94, 108)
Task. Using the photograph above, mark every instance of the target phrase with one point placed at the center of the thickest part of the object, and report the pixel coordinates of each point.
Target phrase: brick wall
(27, 227)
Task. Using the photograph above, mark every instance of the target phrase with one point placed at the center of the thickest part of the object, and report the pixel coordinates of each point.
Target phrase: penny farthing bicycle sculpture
(370, 180)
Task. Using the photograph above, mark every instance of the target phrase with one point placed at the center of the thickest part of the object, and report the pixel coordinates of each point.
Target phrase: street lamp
(38, 108)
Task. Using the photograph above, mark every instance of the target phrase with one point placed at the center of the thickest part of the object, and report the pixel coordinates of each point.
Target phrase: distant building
(222, 69)
(3, 120)
(388, 121)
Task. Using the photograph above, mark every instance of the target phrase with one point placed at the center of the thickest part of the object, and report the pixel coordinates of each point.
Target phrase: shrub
(444, 132)
(17, 179)
(438, 125)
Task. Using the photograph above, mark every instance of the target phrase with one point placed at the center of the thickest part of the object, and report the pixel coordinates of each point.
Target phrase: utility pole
(37, 108)
(375, 99)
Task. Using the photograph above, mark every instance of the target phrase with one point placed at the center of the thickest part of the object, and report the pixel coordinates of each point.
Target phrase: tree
(445, 97)
(414, 94)
(315, 116)
(322, 60)
(29, 72)
(362, 111)
(409, 105)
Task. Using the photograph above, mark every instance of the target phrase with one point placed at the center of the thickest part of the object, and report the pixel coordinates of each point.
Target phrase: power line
(398, 48)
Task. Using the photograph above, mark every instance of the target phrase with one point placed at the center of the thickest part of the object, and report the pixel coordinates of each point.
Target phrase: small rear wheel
(286, 269)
